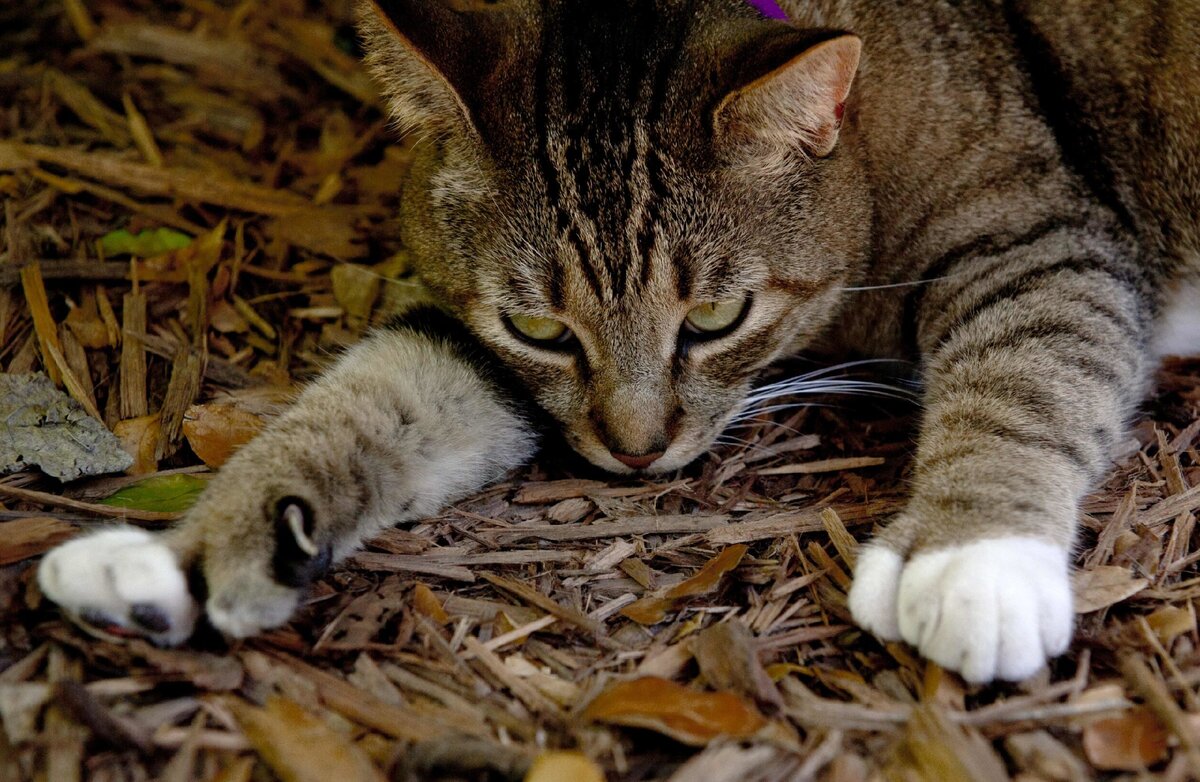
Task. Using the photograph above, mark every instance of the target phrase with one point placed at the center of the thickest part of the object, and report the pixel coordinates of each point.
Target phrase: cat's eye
(716, 318)
(544, 331)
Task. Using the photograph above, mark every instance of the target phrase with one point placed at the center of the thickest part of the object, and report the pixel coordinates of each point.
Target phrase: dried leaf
(1170, 622)
(1104, 586)
(162, 493)
(651, 610)
(225, 318)
(686, 715)
(328, 230)
(300, 747)
(425, 602)
(564, 767)
(146, 244)
(1131, 742)
(88, 326)
(139, 437)
(216, 431)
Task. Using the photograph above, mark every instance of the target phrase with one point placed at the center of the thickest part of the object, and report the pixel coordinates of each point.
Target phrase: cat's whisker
(833, 387)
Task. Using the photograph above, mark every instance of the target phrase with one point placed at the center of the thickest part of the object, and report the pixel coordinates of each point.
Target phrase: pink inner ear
(839, 111)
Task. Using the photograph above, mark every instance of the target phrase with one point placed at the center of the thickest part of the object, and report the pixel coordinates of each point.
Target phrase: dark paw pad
(150, 618)
(101, 621)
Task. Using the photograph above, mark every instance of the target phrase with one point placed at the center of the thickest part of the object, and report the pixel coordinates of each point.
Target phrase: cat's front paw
(992, 609)
(121, 581)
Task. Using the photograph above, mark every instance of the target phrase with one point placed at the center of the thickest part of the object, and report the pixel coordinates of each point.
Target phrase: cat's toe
(121, 581)
(994, 609)
(873, 595)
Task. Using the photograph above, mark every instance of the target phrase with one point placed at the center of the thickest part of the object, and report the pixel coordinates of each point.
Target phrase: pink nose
(637, 462)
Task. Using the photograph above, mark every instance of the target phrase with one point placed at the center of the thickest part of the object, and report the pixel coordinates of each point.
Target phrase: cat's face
(611, 219)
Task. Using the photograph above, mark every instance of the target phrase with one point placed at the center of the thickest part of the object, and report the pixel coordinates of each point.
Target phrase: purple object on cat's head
(769, 9)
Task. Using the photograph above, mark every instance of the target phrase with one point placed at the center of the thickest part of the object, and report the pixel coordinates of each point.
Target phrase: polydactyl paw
(993, 609)
(128, 582)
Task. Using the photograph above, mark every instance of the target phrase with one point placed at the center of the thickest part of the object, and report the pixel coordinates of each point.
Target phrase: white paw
(121, 581)
(994, 609)
(875, 591)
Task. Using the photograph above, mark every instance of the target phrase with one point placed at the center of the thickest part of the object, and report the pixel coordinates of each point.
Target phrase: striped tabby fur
(1008, 190)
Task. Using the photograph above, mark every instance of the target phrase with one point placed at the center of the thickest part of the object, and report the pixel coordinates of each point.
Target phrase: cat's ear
(798, 103)
(429, 59)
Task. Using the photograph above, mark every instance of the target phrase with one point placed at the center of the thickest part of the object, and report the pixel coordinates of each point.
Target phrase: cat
(627, 209)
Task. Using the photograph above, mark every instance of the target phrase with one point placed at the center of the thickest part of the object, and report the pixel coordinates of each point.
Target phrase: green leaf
(146, 244)
(162, 493)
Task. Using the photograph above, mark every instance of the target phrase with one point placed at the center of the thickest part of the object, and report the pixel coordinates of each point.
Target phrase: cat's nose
(637, 462)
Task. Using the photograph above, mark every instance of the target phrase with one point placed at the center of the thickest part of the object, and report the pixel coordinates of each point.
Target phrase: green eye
(537, 329)
(716, 318)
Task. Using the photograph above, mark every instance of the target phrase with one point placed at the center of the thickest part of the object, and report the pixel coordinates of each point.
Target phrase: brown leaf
(215, 431)
(1170, 622)
(651, 610)
(425, 602)
(1132, 741)
(300, 747)
(225, 318)
(1104, 586)
(88, 327)
(326, 230)
(686, 715)
(558, 766)
(139, 437)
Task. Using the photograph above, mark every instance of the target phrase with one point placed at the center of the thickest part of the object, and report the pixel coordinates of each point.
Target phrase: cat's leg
(405, 423)
(1034, 357)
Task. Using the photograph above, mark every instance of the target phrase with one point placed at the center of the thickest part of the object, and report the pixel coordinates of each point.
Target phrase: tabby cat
(628, 208)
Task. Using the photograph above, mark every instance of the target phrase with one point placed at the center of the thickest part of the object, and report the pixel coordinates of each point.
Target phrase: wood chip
(824, 465)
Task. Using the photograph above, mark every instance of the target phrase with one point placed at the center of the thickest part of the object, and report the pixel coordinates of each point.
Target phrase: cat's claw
(993, 609)
(121, 581)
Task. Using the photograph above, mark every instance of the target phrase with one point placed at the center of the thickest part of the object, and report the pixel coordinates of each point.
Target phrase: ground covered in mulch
(196, 200)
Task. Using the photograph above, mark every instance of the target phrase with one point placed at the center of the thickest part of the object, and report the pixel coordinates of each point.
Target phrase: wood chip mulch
(688, 629)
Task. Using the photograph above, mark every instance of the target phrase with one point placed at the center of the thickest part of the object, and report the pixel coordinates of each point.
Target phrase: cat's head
(637, 204)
